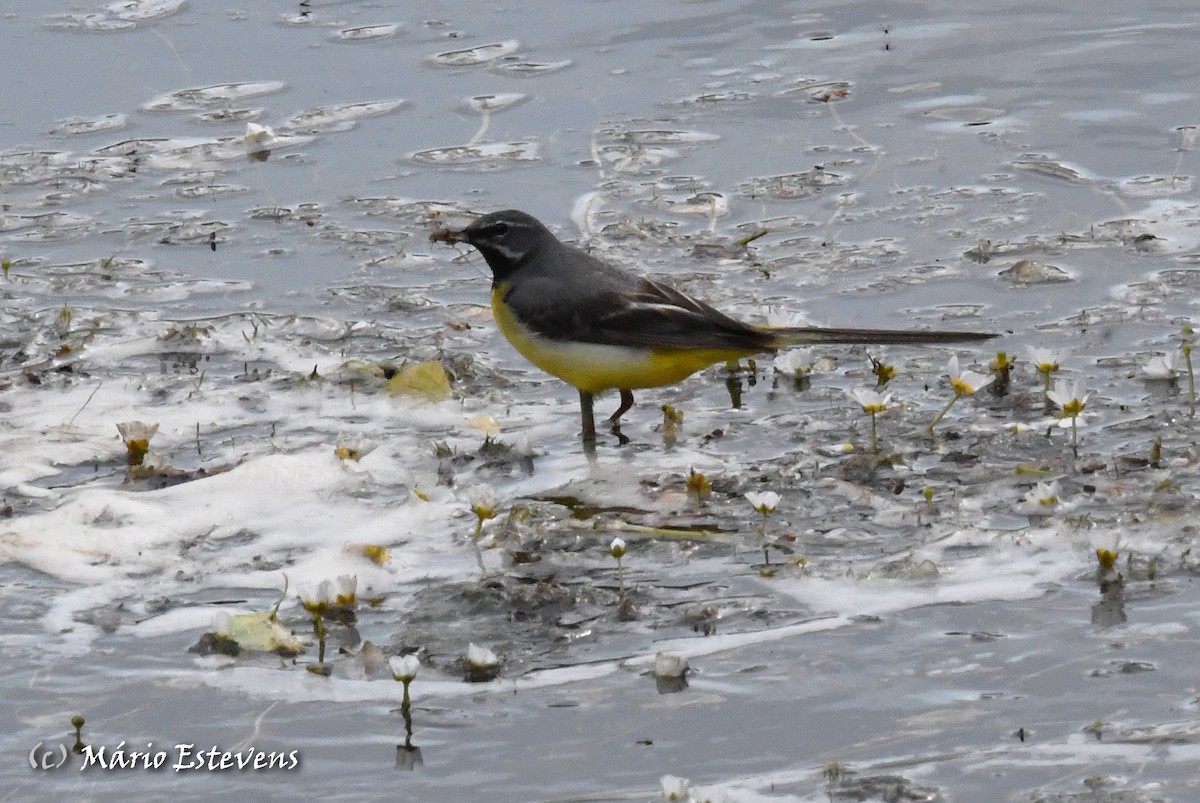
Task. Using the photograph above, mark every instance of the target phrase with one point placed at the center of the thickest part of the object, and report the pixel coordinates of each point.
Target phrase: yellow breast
(594, 367)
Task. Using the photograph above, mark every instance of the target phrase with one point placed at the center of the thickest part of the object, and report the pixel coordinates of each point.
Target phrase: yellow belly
(594, 367)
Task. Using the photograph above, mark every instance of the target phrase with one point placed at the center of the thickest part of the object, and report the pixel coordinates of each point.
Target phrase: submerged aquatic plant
(873, 402)
(964, 383)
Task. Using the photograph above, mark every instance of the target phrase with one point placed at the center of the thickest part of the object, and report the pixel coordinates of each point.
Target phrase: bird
(599, 327)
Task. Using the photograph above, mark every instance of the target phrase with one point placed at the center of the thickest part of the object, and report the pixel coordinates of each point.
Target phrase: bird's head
(507, 239)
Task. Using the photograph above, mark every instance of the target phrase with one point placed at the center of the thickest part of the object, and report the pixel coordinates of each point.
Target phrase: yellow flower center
(961, 388)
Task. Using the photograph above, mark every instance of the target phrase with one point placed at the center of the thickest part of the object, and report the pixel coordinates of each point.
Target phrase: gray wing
(614, 308)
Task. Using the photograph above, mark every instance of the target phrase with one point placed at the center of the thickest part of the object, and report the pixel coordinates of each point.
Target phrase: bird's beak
(448, 236)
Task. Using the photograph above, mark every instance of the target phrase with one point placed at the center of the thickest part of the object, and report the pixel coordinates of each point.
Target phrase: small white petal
(259, 137)
(404, 667)
(763, 500)
(675, 788)
(136, 430)
(1066, 391)
(481, 656)
(669, 665)
(795, 361)
(222, 623)
(1108, 540)
(1044, 494)
(1162, 367)
(871, 399)
(1043, 359)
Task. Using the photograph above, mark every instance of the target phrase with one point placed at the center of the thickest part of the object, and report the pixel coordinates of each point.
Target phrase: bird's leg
(589, 420)
(626, 404)
(615, 418)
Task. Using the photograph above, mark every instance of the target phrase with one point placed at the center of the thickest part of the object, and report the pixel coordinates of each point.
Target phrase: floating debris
(75, 126)
(522, 67)
(1053, 168)
(1028, 271)
(205, 97)
(480, 54)
(492, 103)
(485, 157)
(364, 33)
(341, 116)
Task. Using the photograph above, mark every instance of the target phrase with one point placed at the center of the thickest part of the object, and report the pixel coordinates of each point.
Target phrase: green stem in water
(942, 414)
(406, 712)
(475, 543)
(319, 626)
(762, 532)
(1187, 356)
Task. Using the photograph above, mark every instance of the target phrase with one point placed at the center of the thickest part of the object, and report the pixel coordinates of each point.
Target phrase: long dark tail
(790, 336)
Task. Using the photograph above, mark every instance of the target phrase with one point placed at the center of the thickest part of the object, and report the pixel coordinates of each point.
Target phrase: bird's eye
(499, 229)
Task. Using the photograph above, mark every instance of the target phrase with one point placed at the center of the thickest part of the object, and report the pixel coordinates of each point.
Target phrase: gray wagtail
(598, 327)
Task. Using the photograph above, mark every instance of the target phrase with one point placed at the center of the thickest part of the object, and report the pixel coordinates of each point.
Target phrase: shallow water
(1025, 170)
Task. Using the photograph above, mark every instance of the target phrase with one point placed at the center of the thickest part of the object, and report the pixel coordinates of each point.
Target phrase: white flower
(617, 547)
(676, 789)
(347, 589)
(965, 383)
(1044, 494)
(136, 431)
(324, 593)
(1044, 360)
(1107, 540)
(222, 624)
(872, 401)
(764, 502)
(669, 665)
(354, 447)
(795, 362)
(1069, 395)
(481, 657)
(404, 667)
(1107, 544)
(484, 502)
(259, 137)
(1163, 367)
